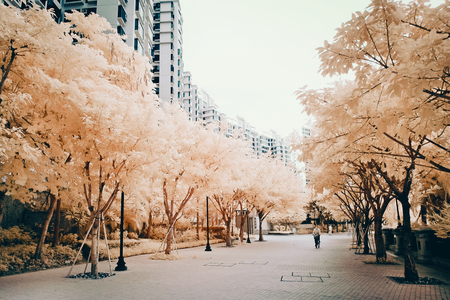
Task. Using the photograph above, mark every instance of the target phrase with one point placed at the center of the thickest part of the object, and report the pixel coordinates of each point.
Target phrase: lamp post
(248, 230)
(208, 247)
(121, 263)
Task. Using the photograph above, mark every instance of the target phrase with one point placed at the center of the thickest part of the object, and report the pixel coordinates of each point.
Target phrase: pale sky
(251, 56)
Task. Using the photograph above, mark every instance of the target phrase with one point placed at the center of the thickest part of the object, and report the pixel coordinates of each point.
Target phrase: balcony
(122, 16)
(73, 2)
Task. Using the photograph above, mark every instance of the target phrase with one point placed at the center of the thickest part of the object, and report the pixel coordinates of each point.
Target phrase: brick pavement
(283, 267)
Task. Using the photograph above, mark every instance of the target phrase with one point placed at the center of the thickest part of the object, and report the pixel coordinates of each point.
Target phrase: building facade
(168, 50)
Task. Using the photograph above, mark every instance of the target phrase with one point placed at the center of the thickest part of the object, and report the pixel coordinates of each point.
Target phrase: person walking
(316, 234)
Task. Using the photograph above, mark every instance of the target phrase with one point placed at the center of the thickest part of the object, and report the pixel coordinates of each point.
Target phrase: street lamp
(248, 230)
(208, 247)
(121, 263)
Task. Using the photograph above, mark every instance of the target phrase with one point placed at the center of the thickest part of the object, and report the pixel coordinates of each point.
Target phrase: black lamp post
(208, 247)
(248, 230)
(121, 263)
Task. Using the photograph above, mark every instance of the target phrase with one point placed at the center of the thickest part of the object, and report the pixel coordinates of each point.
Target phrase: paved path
(283, 267)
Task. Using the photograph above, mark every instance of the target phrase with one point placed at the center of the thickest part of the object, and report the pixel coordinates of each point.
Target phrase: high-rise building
(209, 110)
(167, 50)
(132, 18)
(191, 102)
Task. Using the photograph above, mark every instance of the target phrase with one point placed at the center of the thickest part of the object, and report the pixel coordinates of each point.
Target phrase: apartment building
(191, 100)
(209, 110)
(167, 50)
(132, 18)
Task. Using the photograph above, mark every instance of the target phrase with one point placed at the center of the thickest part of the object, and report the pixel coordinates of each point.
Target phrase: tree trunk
(366, 242)
(57, 224)
(150, 224)
(261, 219)
(379, 241)
(2, 205)
(94, 248)
(241, 227)
(411, 273)
(228, 233)
(169, 240)
(38, 253)
(198, 227)
(358, 234)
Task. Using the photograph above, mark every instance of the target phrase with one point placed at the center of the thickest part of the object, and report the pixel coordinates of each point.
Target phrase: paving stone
(241, 272)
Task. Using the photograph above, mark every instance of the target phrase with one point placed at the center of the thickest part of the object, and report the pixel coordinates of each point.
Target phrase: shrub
(183, 224)
(186, 236)
(218, 232)
(133, 235)
(17, 251)
(15, 236)
(158, 233)
(70, 240)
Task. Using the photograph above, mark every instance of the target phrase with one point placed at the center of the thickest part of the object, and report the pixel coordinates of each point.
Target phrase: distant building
(191, 101)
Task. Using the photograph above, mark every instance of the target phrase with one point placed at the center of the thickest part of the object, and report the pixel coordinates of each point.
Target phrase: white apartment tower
(191, 102)
(168, 50)
(209, 110)
(132, 18)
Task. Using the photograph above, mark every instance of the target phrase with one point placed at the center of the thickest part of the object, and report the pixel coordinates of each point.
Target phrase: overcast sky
(251, 56)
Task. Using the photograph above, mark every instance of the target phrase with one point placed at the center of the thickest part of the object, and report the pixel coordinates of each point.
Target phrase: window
(138, 26)
(120, 30)
(121, 13)
(138, 46)
(139, 8)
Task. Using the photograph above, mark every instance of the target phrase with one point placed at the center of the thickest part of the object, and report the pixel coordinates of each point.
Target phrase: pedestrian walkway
(283, 267)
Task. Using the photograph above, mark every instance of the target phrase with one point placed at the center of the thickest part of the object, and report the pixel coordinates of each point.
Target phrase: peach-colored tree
(78, 116)
(192, 154)
(398, 53)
